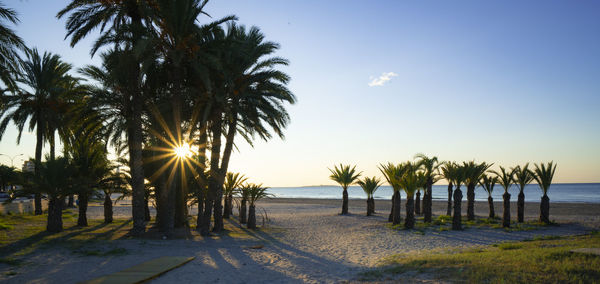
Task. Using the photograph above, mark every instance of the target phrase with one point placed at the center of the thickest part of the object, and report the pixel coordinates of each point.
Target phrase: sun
(183, 151)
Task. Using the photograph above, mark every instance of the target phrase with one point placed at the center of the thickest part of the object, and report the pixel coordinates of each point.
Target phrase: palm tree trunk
(251, 217)
(397, 208)
(38, 164)
(428, 202)
(71, 201)
(372, 205)
(391, 217)
(147, 216)
(491, 205)
(449, 209)
(200, 211)
(418, 203)
(108, 211)
(135, 139)
(409, 222)
(521, 207)
(368, 206)
(54, 224)
(471, 201)
(215, 189)
(506, 212)
(456, 219)
(243, 211)
(345, 201)
(83, 205)
(227, 207)
(545, 209)
(162, 204)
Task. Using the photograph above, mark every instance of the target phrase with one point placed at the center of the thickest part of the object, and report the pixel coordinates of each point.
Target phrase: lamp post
(12, 159)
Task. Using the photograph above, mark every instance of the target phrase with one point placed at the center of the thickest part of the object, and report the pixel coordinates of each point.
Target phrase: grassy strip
(545, 260)
(444, 223)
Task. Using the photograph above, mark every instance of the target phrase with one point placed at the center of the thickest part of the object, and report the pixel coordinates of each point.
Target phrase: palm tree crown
(505, 178)
(544, 175)
(523, 176)
(344, 175)
(369, 185)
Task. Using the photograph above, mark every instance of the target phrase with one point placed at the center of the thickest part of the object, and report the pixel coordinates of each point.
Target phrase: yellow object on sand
(144, 271)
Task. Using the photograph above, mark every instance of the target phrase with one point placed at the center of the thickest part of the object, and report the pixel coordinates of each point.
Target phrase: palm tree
(392, 174)
(55, 179)
(244, 194)
(505, 179)
(543, 176)
(10, 43)
(523, 176)
(345, 176)
(120, 23)
(7, 176)
(42, 104)
(473, 172)
(410, 181)
(418, 202)
(430, 167)
(232, 182)
(448, 172)
(255, 193)
(488, 182)
(458, 177)
(369, 186)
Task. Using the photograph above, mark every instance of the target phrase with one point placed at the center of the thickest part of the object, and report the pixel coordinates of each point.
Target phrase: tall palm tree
(120, 23)
(410, 181)
(488, 182)
(392, 174)
(345, 176)
(41, 102)
(369, 186)
(473, 172)
(448, 171)
(543, 176)
(10, 44)
(232, 182)
(255, 193)
(430, 167)
(458, 177)
(505, 179)
(523, 176)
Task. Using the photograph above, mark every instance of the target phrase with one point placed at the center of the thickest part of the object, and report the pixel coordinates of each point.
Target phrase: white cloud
(381, 80)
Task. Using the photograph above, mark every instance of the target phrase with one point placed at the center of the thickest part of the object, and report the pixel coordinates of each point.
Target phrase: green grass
(5, 227)
(27, 233)
(443, 223)
(535, 261)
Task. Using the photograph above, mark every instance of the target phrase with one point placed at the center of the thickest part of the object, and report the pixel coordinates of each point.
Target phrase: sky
(507, 82)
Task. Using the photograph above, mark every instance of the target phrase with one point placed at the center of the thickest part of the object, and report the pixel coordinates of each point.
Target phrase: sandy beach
(304, 241)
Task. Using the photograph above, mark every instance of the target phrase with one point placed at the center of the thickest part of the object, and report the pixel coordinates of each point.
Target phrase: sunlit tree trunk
(427, 199)
(251, 217)
(521, 207)
(506, 212)
(345, 201)
(456, 219)
(409, 222)
(545, 209)
(491, 205)
(38, 164)
(397, 209)
(471, 201)
(449, 208)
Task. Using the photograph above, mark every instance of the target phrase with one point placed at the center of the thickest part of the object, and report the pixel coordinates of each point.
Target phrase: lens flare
(183, 151)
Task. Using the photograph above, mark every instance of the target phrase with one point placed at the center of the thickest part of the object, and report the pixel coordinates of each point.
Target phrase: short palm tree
(458, 177)
(488, 182)
(369, 186)
(409, 182)
(448, 170)
(421, 185)
(473, 172)
(430, 167)
(505, 179)
(244, 195)
(255, 193)
(392, 174)
(232, 182)
(345, 176)
(523, 176)
(543, 176)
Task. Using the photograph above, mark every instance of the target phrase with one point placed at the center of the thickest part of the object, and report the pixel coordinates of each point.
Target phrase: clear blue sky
(505, 82)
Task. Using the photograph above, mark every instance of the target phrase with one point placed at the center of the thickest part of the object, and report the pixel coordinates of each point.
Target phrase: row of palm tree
(412, 176)
(166, 80)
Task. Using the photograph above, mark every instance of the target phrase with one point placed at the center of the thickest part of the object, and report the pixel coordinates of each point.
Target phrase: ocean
(560, 192)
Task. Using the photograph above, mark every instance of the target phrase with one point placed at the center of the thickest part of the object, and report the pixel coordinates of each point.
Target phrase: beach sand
(305, 241)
